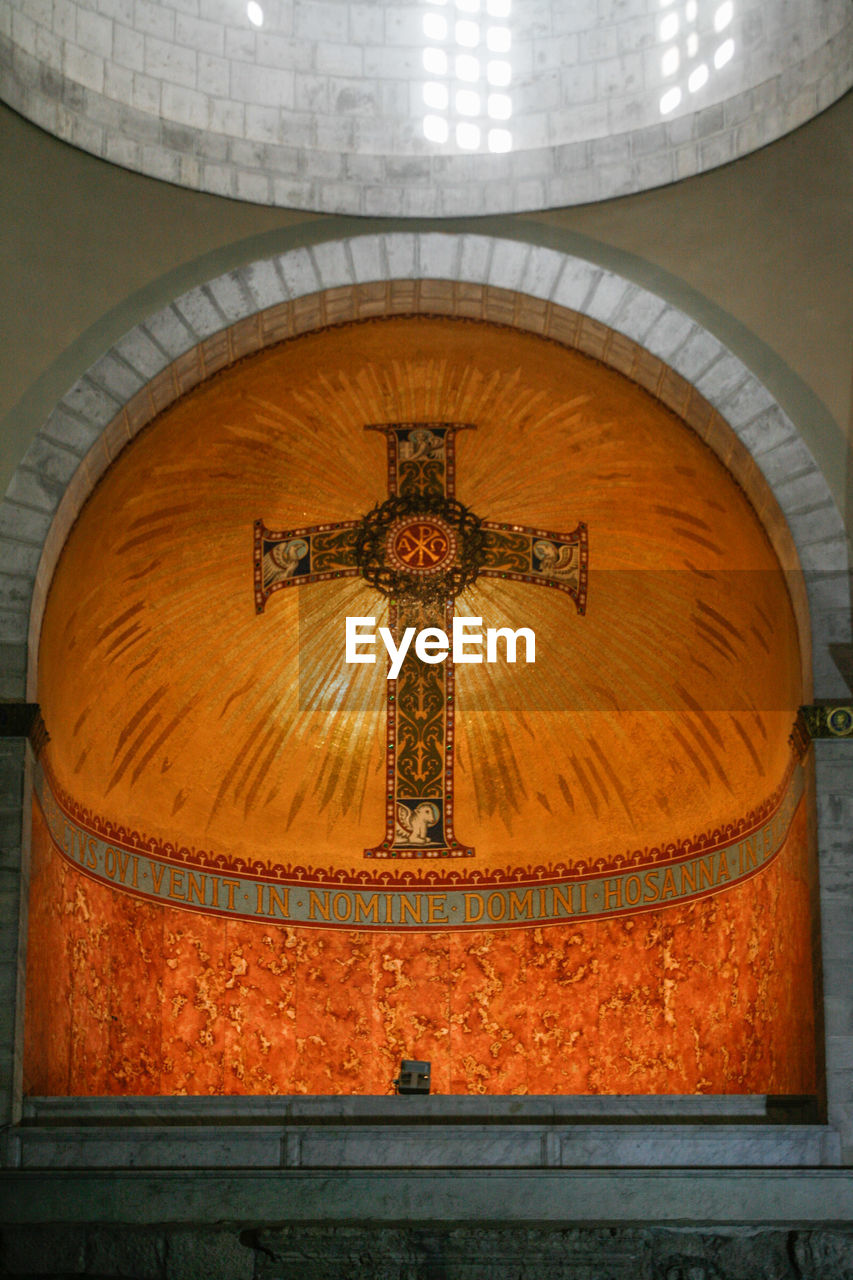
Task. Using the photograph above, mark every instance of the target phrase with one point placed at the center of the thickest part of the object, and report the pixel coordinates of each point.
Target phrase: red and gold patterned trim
(383, 898)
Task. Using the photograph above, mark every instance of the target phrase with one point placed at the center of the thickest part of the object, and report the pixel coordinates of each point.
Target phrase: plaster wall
(760, 252)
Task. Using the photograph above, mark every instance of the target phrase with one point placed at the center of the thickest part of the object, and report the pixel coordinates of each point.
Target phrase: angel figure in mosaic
(554, 561)
(421, 444)
(283, 560)
(413, 824)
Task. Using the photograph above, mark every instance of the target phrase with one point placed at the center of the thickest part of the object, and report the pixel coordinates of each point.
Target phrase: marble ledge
(427, 1109)
(413, 1147)
(590, 1197)
(306, 1142)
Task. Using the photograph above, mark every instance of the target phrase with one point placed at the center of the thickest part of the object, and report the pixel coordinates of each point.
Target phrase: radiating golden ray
(371, 392)
(485, 686)
(275, 748)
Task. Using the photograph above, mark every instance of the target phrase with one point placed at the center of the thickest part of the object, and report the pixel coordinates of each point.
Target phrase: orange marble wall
(176, 711)
(124, 997)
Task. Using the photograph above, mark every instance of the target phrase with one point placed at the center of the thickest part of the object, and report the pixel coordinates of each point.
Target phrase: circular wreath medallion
(419, 546)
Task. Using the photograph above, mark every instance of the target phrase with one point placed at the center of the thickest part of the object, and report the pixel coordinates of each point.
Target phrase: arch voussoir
(560, 296)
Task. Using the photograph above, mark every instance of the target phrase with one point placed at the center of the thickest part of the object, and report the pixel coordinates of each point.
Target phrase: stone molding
(170, 123)
(782, 1197)
(472, 1132)
(441, 1145)
(565, 298)
(447, 1251)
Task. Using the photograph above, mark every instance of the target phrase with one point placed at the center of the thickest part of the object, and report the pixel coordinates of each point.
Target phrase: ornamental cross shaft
(421, 548)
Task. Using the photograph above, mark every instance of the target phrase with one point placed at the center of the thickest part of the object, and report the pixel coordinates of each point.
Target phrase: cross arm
(538, 556)
(293, 557)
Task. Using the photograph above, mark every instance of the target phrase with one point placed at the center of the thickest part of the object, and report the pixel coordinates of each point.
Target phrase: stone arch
(556, 295)
(572, 300)
(566, 298)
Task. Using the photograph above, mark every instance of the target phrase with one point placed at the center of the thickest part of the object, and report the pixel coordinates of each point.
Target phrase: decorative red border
(416, 875)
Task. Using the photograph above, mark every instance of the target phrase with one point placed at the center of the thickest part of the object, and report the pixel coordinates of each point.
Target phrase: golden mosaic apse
(602, 886)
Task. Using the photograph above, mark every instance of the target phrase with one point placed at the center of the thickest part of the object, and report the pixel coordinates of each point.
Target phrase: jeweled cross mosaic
(420, 548)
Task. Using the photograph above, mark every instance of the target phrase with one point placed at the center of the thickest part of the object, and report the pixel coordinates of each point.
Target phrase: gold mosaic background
(176, 711)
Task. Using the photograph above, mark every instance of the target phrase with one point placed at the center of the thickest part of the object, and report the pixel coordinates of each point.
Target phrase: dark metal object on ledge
(413, 1077)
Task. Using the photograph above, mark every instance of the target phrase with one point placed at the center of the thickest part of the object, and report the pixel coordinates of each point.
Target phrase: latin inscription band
(585, 897)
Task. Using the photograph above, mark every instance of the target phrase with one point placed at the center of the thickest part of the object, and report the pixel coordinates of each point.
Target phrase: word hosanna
(434, 645)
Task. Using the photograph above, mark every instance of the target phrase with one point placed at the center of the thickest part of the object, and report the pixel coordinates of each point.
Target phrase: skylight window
(435, 26)
(498, 39)
(723, 16)
(435, 128)
(669, 27)
(468, 34)
(670, 101)
(500, 140)
(435, 62)
(436, 95)
(690, 30)
(670, 61)
(467, 67)
(724, 54)
(467, 103)
(467, 88)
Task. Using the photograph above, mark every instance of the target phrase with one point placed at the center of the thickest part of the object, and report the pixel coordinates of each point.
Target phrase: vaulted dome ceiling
(423, 107)
(209, 877)
(178, 711)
